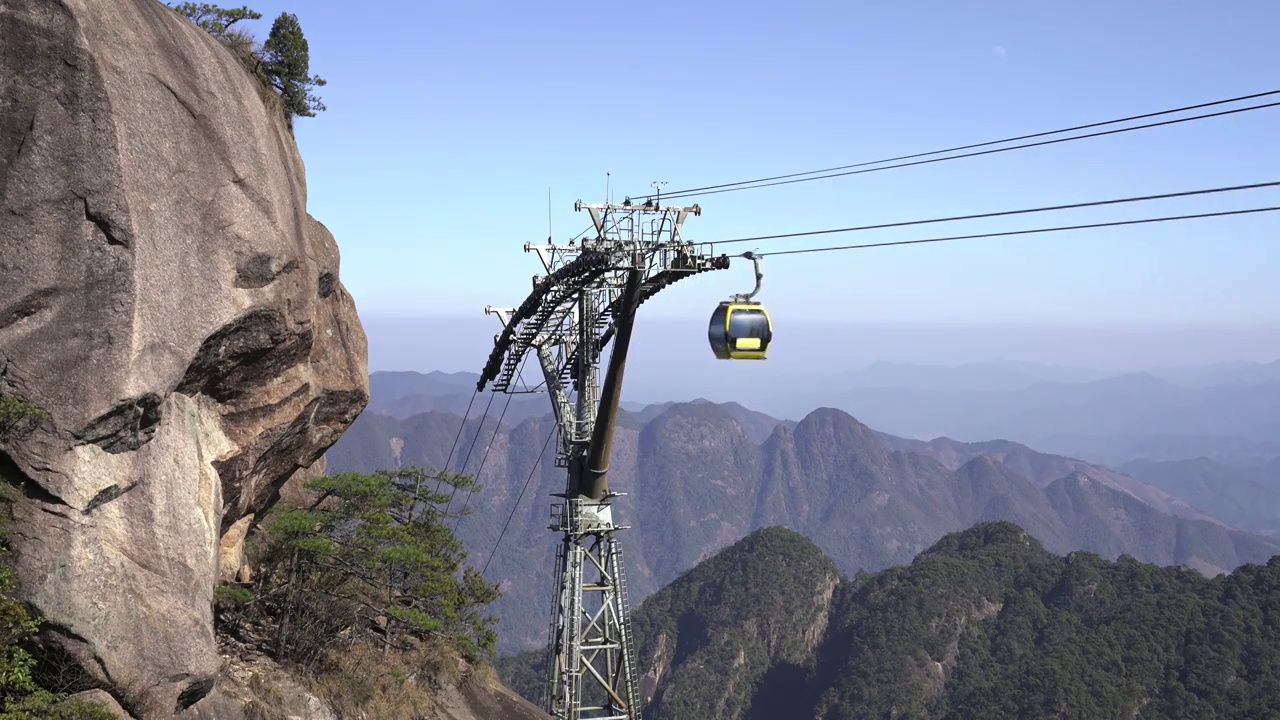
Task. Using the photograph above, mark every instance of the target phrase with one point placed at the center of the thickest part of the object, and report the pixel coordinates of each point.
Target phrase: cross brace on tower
(587, 299)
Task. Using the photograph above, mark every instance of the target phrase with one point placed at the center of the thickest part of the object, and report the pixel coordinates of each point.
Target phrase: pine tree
(213, 19)
(375, 557)
(286, 58)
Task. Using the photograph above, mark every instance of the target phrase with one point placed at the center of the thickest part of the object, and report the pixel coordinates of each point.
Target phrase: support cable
(463, 467)
(958, 148)
(769, 182)
(461, 425)
(1087, 226)
(458, 436)
(532, 471)
(484, 458)
(1072, 206)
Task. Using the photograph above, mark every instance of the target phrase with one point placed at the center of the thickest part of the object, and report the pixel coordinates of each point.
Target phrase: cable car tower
(587, 299)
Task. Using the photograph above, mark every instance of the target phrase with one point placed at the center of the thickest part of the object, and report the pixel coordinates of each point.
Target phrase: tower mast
(588, 298)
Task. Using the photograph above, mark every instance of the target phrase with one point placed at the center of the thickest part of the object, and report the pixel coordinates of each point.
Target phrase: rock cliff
(166, 298)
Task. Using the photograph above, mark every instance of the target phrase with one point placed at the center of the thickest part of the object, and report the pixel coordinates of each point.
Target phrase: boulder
(170, 304)
(102, 699)
(231, 564)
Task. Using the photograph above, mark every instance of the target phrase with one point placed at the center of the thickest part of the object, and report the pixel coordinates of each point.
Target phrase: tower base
(590, 673)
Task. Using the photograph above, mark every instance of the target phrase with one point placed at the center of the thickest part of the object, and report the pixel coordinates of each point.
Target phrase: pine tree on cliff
(286, 59)
(373, 558)
(216, 21)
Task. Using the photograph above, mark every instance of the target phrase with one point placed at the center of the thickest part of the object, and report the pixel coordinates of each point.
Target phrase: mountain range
(986, 623)
(1228, 412)
(1105, 420)
(699, 476)
(1247, 497)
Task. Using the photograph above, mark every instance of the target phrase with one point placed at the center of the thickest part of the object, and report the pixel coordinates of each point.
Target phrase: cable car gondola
(741, 329)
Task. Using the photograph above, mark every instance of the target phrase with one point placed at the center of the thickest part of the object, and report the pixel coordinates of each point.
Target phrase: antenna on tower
(548, 214)
(607, 198)
(657, 186)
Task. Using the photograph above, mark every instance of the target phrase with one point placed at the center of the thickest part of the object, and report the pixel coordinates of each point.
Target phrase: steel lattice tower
(587, 299)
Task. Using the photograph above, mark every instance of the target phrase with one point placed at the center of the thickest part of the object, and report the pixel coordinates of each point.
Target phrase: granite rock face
(166, 298)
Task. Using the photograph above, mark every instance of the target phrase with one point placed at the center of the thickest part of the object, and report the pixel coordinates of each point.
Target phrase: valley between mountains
(700, 476)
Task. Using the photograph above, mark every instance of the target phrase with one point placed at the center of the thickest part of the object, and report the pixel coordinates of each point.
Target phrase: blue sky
(448, 122)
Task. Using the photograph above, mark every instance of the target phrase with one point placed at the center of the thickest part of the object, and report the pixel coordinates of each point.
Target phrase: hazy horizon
(803, 346)
(1214, 392)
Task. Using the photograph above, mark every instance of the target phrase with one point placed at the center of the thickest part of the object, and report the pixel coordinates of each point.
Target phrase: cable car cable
(975, 154)
(461, 425)
(532, 471)
(958, 148)
(1048, 208)
(1118, 223)
(462, 468)
(485, 457)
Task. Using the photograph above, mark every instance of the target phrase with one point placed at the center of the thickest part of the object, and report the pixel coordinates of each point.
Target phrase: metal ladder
(553, 636)
(628, 637)
(574, 671)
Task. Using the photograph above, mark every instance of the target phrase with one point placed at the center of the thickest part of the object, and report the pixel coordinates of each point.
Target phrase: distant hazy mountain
(756, 425)
(1086, 415)
(393, 386)
(1115, 450)
(405, 394)
(1228, 412)
(697, 479)
(986, 623)
(996, 375)
(1043, 469)
(1221, 374)
(1247, 497)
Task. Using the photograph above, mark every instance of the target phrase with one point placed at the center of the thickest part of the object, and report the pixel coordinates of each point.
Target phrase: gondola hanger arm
(755, 260)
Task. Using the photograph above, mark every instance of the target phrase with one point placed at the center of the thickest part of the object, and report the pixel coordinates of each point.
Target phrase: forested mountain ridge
(697, 481)
(986, 624)
(1229, 412)
(709, 640)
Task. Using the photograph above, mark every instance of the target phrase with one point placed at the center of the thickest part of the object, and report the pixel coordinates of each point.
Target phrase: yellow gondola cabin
(740, 331)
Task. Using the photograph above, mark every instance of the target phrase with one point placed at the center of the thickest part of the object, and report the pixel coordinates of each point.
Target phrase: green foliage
(364, 592)
(891, 632)
(373, 562)
(232, 606)
(283, 63)
(286, 58)
(231, 596)
(213, 19)
(18, 418)
(986, 624)
(23, 699)
(735, 633)
(16, 627)
(525, 674)
(44, 705)
(743, 615)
